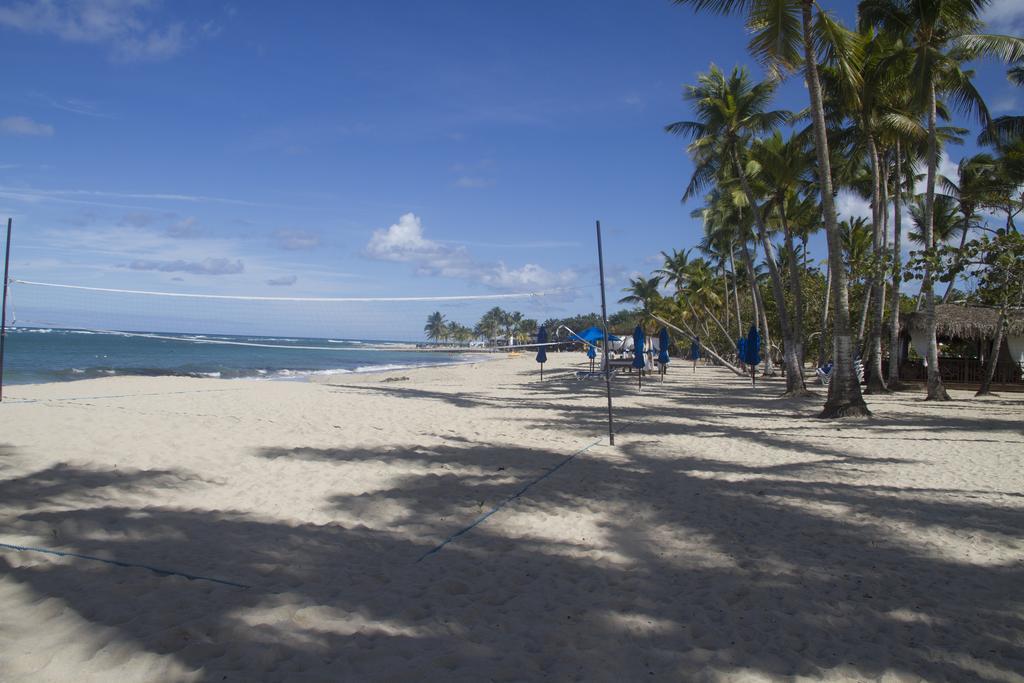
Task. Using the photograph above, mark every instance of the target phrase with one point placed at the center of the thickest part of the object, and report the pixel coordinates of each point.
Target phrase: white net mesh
(39, 304)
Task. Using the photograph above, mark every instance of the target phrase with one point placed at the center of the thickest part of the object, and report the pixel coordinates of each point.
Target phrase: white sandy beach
(727, 536)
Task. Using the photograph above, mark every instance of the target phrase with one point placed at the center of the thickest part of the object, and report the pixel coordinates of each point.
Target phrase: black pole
(3, 309)
(604, 320)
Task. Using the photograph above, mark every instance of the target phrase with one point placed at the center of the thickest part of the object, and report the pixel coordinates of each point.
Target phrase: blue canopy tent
(638, 353)
(695, 352)
(752, 352)
(542, 354)
(592, 335)
(663, 344)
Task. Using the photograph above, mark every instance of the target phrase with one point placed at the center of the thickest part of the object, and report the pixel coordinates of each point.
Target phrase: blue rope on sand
(162, 572)
(480, 520)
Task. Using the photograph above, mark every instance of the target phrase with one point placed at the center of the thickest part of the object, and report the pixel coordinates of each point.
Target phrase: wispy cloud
(23, 125)
(77, 106)
(186, 228)
(1004, 104)
(30, 194)
(286, 281)
(538, 244)
(1004, 15)
(126, 26)
(296, 240)
(633, 100)
(473, 182)
(208, 266)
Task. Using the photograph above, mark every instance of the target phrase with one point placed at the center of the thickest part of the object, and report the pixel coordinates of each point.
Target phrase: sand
(727, 536)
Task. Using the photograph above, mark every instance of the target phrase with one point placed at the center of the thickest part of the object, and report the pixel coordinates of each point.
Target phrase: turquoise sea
(37, 354)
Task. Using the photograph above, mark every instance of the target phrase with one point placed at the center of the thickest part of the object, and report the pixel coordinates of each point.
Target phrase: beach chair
(825, 372)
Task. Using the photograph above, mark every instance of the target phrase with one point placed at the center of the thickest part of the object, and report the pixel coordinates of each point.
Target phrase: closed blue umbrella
(741, 349)
(663, 344)
(542, 354)
(638, 353)
(752, 351)
(695, 351)
(591, 354)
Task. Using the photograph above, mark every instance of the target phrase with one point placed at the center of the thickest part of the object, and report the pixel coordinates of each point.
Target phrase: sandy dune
(726, 537)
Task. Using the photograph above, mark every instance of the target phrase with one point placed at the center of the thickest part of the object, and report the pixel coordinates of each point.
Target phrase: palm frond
(716, 6)
(977, 45)
(776, 34)
(686, 129)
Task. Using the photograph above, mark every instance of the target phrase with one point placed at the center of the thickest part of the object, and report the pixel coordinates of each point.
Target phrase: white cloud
(296, 240)
(208, 266)
(405, 242)
(1004, 15)
(947, 167)
(22, 125)
(849, 205)
(122, 24)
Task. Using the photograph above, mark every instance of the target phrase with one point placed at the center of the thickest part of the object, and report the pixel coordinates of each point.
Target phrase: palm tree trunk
(822, 357)
(993, 356)
(736, 294)
(790, 349)
(876, 382)
(721, 327)
(798, 291)
(725, 286)
(936, 392)
(897, 259)
(760, 319)
(956, 259)
(696, 318)
(704, 345)
(844, 396)
(864, 314)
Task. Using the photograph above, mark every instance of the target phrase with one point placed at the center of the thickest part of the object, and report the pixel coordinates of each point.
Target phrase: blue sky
(358, 149)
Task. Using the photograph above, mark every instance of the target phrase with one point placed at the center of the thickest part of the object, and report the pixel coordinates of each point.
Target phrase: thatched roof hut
(955, 321)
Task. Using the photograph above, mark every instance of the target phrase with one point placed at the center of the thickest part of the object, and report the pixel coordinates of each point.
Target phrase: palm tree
(977, 181)
(725, 211)
(490, 324)
(730, 110)
(783, 168)
(460, 333)
(787, 35)
(719, 253)
(644, 293)
(943, 36)
(511, 323)
(436, 328)
(720, 236)
(526, 328)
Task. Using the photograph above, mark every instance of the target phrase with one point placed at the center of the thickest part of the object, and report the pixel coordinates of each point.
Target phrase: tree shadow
(628, 564)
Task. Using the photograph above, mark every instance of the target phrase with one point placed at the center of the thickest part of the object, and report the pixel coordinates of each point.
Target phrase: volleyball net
(484, 319)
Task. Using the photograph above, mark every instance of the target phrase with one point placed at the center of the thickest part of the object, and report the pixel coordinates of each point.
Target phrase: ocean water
(36, 355)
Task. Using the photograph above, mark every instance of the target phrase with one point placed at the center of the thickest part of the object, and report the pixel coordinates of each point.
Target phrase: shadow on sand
(690, 562)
